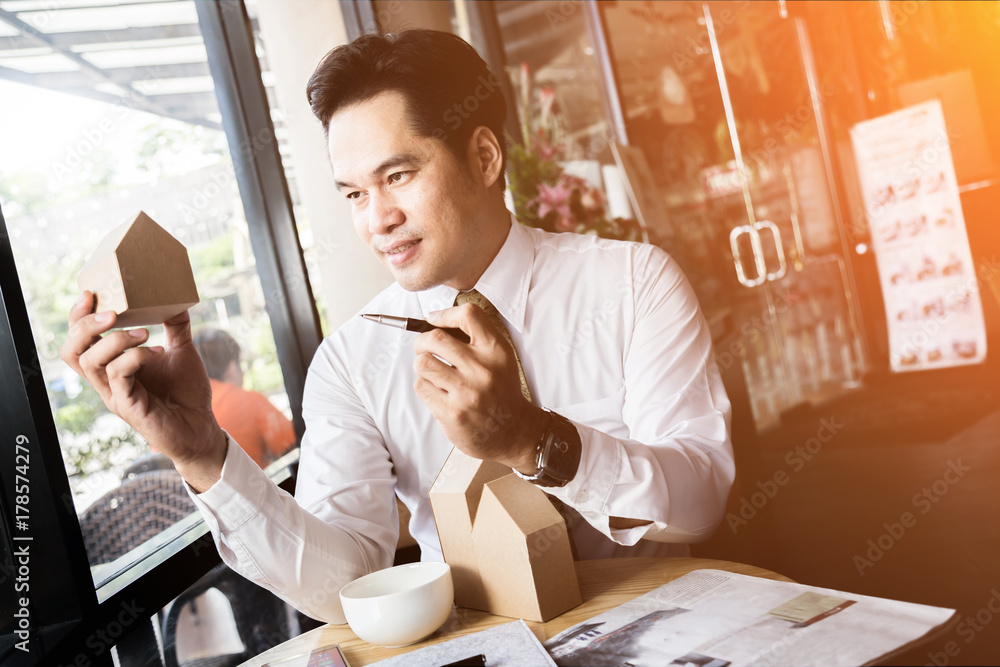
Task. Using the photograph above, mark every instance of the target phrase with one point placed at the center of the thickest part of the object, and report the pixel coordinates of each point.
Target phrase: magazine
(712, 618)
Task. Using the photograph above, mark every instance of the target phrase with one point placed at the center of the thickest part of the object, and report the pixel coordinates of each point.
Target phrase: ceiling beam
(44, 40)
(124, 75)
(71, 40)
(176, 114)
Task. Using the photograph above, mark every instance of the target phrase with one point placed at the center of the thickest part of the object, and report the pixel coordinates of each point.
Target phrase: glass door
(722, 100)
(795, 306)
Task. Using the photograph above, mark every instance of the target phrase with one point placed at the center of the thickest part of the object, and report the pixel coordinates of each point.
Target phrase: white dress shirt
(610, 336)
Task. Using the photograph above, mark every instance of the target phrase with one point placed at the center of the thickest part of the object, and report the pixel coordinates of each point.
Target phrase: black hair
(449, 90)
(217, 349)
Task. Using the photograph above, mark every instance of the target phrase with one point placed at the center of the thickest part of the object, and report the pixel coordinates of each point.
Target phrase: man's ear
(485, 155)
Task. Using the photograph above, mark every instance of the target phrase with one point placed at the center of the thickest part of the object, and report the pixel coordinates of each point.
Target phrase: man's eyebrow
(393, 161)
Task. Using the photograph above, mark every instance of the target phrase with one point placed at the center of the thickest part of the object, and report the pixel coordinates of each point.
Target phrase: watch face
(560, 457)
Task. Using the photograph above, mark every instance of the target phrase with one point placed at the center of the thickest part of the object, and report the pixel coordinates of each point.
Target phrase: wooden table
(603, 584)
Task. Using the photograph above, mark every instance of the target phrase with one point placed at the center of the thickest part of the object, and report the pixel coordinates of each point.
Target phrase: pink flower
(545, 150)
(556, 198)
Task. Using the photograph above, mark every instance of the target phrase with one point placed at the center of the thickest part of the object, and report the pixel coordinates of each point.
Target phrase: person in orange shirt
(259, 427)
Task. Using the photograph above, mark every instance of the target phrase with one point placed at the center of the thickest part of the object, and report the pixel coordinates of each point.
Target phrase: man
(247, 416)
(609, 335)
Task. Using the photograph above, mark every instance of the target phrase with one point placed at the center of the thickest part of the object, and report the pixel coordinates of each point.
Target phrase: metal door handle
(767, 224)
(758, 255)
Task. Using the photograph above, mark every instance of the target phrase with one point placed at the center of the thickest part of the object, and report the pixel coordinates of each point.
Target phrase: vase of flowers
(545, 194)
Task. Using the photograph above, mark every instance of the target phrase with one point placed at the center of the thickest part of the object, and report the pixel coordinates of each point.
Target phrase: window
(151, 139)
(114, 111)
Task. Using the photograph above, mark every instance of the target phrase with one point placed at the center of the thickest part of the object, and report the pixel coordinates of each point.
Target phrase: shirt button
(582, 497)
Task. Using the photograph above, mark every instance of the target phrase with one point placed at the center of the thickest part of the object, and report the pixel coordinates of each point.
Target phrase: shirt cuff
(236, 496)
(589, 492)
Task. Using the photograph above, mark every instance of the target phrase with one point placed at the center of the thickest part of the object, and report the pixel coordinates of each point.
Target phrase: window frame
(70, 616)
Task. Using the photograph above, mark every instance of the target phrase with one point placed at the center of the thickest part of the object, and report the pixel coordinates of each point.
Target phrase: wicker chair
(143, 506)
(151, 498)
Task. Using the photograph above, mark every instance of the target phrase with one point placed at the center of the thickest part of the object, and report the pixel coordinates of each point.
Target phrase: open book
(712, 618)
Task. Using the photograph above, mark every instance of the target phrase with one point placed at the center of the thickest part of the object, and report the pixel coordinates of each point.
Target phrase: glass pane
(114, 112)
(548, 47)
(399, 15)
(817, 346)
(289, 44)
(563, 176)
(673, 112)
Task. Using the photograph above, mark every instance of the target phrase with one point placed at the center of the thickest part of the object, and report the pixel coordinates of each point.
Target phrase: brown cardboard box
(508, 547)
(454, 499)
(524, 553)
(141, 272)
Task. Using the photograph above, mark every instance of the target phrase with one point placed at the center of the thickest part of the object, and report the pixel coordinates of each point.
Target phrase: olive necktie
(474, 297)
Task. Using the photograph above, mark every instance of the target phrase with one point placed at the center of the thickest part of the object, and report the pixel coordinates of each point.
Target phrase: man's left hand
(476, 396)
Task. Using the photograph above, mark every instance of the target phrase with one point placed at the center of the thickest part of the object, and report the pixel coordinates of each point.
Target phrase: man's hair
(217, 349)
(449, 89)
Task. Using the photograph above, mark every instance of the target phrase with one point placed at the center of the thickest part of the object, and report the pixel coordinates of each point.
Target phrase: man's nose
(383, 214)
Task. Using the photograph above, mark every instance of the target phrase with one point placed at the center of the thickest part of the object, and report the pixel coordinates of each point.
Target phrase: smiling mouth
(402, 248)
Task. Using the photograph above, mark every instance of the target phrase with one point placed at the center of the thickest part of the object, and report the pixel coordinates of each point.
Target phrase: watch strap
(557, 453)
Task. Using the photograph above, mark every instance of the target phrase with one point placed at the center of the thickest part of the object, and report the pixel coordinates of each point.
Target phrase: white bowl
(399, 605)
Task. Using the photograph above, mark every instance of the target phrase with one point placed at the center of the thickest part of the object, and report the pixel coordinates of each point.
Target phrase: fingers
(85, 330)
(122, 369)
(178, 330)
(443, 344)
(469, 318)
(435, 371)
(83, 306)
(94, 361)
(435, 398)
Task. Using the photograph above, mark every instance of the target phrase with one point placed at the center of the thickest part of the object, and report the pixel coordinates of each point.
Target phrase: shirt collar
(505, 282)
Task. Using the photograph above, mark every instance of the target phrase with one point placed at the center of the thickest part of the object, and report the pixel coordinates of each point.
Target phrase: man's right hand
(161, 392)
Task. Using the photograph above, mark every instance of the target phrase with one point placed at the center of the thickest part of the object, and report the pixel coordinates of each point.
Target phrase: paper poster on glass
(925, 266)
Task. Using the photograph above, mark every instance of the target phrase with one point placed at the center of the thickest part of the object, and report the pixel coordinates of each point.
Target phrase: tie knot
(477, 299)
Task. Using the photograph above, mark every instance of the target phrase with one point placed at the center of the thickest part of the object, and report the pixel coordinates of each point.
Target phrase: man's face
(413, 202)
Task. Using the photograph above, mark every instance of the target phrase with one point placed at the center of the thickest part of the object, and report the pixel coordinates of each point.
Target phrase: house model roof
(141, 272)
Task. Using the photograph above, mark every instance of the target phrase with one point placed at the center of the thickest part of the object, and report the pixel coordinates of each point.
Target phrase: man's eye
(397, 176)
(353, 195)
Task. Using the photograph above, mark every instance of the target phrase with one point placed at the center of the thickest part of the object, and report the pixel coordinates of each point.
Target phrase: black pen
(472, 661)
(414, 324)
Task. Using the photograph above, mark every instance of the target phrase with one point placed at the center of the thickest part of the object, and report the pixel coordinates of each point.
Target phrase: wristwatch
(557, 454)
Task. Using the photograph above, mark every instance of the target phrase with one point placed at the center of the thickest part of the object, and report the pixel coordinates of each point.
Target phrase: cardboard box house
(141, 272)
(508, 547)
